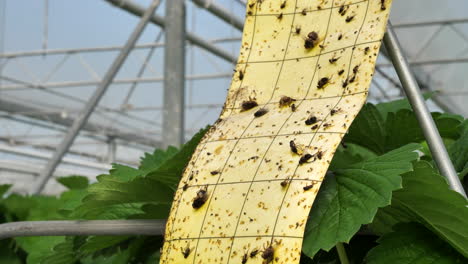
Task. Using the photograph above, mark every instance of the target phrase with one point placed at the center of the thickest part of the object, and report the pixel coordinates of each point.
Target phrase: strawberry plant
(382, 197)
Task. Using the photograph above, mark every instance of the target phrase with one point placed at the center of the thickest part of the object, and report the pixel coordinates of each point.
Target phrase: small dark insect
(309, 44)
(333, 112)
(356, 69)
(349, 19)
(304, 12)
(298, 30)
(261, 112)
(311, 40)
(311, 120)
(322, 82)
(352, 79)
(333, 60)
(200, 199)
(285, 183)
(341, 72)
(251, 5)
(319, 155)
(254, 253)
(340, 36)
(214, 172)
(366, 50)
(241, 75)
(293, 147)
(186, 251)
(185, 187)
(244, 258)
(249, 13)
(283, 5)
(268, 254)
(247, 105)
(345, 83)
(280, 16)
(326, 125)
(342, 10)
(382, 5)
(312, 35)
(286, 100)
(305, 159)
(314, 127)
(308, 187)
(293, 107)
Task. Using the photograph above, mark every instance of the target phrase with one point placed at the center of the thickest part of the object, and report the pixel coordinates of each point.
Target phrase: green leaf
(171, 170)
(151, 162)
(368, 130)
(38, 247)
(3, 189)
(70, 200)
(412, 244)
(65, 252)
(74, 182)
(350, 154)
(7, 253)
(96, 243)
(397, 105)
(351, 198)
(458, 151)
(427, 199)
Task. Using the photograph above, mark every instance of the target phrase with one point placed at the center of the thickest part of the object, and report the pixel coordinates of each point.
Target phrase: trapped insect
(268, 254)
(186, 251)
(305, 158)
(200, 199)
(261, 112)
(308, 187)
(311, 120)
(322, 82)
(293, 146)
(247, 105)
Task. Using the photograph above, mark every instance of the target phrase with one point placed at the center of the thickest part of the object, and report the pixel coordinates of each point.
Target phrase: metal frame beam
(82, 118)
(220, 12)
(40, 155)
(118, 81)
(411, 88)
(56, 118)
(155, 19)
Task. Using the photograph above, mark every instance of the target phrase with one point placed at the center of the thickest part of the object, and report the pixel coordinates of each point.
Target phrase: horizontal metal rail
(431, 23)
(45, 156)
(117, 81)
(83, 228)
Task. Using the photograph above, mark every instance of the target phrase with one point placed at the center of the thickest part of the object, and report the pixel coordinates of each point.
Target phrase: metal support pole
(174, 74)
(423, 115)
(82, 118)
(112, 150)
(82, 228)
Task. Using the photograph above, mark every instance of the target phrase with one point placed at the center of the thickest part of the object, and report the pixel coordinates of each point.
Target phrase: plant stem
(342, 253)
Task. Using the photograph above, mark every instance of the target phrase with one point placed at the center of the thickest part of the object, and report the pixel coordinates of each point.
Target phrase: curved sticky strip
(251, 183)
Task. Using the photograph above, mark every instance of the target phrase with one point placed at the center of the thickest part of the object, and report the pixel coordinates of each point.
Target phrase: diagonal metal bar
(82, 228)
(220, 12)
(82, 118)
(155, 19)
(413, 92)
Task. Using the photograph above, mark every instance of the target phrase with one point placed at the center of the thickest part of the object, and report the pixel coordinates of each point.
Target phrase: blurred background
(54, 54)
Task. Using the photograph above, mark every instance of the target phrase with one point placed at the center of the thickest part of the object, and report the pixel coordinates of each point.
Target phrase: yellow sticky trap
(303, 73)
